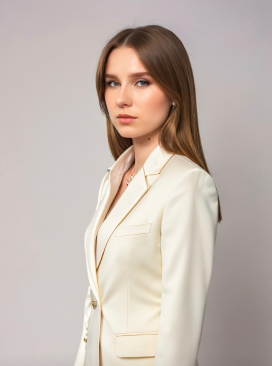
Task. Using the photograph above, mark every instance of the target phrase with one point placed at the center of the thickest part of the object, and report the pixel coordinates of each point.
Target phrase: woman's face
(136, 95)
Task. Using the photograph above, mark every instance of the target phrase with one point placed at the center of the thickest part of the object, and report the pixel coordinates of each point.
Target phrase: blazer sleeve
(80, 357)
(188, 235)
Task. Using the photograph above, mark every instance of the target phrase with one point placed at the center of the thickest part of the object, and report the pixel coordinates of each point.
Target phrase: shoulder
(192, 195)
(187, 176)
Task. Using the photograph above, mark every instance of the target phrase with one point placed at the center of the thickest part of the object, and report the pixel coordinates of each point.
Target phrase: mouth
(126, 118)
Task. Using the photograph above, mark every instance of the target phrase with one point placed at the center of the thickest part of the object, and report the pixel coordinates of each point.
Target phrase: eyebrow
(135, 74)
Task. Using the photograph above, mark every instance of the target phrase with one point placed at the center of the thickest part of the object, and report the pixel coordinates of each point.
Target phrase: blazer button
(94, 303)
(86, 336)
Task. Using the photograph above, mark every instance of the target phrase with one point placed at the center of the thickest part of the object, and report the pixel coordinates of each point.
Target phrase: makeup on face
(125, 118)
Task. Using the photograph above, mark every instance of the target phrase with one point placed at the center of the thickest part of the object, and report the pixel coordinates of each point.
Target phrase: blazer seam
(195, 165)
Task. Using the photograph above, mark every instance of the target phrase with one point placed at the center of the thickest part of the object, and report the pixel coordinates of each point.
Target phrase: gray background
(54, 153)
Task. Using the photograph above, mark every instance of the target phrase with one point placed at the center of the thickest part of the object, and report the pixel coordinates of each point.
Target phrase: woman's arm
(188, 234)
(80, 358)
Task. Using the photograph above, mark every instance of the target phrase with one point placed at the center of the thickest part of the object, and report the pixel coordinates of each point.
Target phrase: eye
(108, 83)
(143, 81)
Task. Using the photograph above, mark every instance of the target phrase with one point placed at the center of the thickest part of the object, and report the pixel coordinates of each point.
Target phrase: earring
(173, 104)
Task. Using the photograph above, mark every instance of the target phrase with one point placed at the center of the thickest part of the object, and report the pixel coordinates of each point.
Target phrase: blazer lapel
(113, 182)
(131, 196)
(137, 188)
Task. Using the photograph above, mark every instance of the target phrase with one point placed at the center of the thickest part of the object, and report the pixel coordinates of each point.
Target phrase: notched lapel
(136, 190)
(111, 185)
(131, 196)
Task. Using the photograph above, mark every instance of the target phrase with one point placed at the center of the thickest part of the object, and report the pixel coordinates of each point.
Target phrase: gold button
(94, 303)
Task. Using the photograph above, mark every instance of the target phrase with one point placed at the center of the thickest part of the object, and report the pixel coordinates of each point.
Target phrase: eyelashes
(144, 81)
(108, 83)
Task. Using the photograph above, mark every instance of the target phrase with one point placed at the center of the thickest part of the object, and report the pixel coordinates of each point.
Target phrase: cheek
(154, 106)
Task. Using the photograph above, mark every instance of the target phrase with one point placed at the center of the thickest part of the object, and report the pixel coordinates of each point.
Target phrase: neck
(142, 151)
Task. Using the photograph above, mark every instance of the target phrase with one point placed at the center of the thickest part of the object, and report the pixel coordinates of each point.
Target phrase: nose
(123, 97)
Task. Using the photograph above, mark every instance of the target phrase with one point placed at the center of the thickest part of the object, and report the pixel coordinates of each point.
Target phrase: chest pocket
(134, 229)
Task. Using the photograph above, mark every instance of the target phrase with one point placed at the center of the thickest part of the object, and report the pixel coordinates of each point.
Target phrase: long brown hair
(164, 56)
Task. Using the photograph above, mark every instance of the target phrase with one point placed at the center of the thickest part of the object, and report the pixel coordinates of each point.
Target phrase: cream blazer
(163, 231)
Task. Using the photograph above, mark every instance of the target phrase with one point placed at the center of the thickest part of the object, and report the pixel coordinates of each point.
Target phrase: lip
(125, 118)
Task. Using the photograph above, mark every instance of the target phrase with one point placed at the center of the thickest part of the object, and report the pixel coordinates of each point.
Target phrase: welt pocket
(138, 344)
(134, 229)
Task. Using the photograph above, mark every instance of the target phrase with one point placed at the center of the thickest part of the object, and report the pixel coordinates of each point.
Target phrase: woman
(150, 244)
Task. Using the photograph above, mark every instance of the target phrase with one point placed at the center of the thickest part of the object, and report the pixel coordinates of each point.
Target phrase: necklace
(131, 177)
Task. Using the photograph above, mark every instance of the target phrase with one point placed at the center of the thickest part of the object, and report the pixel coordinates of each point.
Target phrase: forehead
(124, 61)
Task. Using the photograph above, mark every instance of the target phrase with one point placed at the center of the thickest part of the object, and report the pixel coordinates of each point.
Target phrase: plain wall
(54, 153)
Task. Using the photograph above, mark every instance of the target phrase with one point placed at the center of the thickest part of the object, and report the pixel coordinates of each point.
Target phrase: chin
(131, 132)
(124, 132)
(127, 135)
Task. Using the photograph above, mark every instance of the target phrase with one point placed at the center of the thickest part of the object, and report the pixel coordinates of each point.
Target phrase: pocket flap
(136, 344)
(134, 229)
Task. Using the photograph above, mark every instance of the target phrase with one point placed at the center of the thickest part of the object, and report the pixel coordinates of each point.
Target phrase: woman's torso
(129, 272)
(129, 278)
